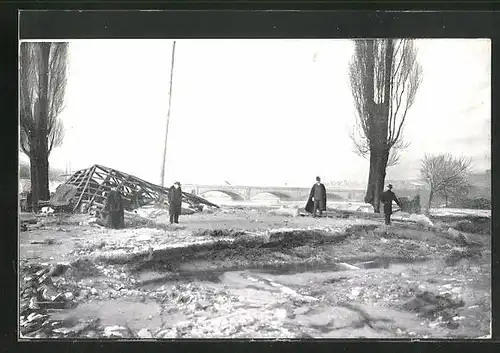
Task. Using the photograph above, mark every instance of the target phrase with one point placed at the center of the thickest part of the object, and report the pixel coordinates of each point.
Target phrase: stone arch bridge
(245, 193)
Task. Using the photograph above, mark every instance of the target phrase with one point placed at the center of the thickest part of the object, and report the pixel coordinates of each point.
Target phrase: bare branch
(30, 92)
(395, 152)
(369, 70)
(57, 136)
(445, 174)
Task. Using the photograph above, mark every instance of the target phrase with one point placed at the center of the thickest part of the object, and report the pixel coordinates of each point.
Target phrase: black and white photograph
(255, 188)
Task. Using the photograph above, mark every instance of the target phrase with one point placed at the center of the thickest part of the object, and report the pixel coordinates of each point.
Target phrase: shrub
(473, 203)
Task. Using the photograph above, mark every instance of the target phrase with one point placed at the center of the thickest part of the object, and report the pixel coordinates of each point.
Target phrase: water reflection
(266, 199)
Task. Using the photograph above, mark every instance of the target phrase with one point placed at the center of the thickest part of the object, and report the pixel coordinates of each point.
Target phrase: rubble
(79, 329)
(348, 267)
(47, 211)
(144, 333)
(86, 191)
(47, 241)
(421, 220)
(457, 254)
(117, 332)
(460, 237)
(219, 233)
(410, 206)
(285, 211)
(429, 304)
(38, 296)
(239, 281)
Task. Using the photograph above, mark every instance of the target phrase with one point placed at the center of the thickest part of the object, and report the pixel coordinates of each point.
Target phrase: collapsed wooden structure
(88, 188)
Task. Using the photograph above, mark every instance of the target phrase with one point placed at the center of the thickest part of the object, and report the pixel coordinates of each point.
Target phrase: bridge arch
(278, 194)
(234, 196)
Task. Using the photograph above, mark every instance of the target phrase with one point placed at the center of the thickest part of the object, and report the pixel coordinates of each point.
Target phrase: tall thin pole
(168, 118)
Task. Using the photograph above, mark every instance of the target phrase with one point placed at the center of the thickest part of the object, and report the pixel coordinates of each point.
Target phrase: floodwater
(304, 288)
(256, 303)
(265, 200)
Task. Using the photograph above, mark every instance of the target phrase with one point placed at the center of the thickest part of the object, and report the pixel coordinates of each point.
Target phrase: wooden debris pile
(410, 206)
(86, 189)
(39, 295)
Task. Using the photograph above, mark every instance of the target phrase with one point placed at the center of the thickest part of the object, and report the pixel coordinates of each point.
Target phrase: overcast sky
(258, 112)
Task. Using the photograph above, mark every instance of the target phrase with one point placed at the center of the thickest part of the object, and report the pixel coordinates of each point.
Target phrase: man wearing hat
(387, 197)
(175, 202)
(317, 198)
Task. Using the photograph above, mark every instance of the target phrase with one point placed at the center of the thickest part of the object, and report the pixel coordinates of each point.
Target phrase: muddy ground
(243, 273)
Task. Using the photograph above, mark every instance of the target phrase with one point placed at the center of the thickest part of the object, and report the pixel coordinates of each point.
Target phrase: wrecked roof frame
(89, 187)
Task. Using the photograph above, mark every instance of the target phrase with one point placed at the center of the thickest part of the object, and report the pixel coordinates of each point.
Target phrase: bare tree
(385, 77)
(445, 175)
(362, 148)
(43, 77)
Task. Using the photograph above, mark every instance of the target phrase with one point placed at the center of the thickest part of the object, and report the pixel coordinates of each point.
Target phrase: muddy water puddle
(240, 296)
(115, 312)
(274, 302)
(150, 279)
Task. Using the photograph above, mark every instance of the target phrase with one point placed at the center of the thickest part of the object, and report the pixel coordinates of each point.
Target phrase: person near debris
(175, 202)
(114, 209)
(317, 198)
(387, 197)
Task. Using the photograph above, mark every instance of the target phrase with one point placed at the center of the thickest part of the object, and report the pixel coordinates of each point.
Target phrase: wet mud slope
(320, 281)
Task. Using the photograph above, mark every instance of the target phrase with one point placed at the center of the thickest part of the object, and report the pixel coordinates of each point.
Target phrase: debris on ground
(410, 206)
(117, 332)
(457, 254)
(461, 238)
(38, 296)
(87, 188)
(144, 333)
(47, 211)
(48, 241)
(225, 275)
(441, 308)
(430, 304)
(83, 328)
(285, 211)
(219, 233)
(421, 219)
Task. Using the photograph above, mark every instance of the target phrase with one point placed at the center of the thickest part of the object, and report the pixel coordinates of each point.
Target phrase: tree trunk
(383, 112)
(34, 182)
(377, 181)
(42, 162)
(379, 154)
(378, 120)
(369, 94)
(431, 194)
(381, 168)
(370, 191)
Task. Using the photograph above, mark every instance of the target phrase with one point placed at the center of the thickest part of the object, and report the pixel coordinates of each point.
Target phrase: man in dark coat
(175, 202)
(114, 209)
(317, 198)
(387, 197)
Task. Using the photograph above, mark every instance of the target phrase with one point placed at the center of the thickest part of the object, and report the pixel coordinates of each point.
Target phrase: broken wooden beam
(90, 172)
(346, 266)
(91, 182)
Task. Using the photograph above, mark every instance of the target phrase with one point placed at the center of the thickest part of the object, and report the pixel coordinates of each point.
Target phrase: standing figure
(114, 209)
(317, 198)
(175, 202)
(387, 197)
